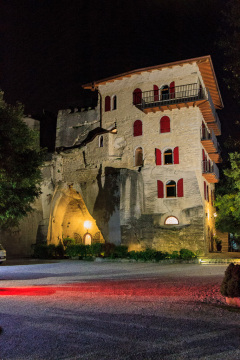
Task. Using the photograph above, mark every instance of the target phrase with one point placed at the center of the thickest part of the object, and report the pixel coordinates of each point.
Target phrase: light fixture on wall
(87, 224)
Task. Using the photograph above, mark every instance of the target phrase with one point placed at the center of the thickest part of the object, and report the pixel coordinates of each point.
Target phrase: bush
(59, 251)
(161, 255)
(108, 249)
(174, 255)
(68, 241)
(119, 251)
(186, 254)
(230, 286)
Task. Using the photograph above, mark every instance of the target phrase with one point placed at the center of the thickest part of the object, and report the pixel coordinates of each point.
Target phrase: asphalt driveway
(90, 310)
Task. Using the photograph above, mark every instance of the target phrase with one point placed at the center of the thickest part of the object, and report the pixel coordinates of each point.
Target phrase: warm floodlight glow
(215, 214)
(87, 224)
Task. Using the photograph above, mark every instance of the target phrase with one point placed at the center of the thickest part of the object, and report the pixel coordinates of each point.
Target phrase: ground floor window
(171, 220)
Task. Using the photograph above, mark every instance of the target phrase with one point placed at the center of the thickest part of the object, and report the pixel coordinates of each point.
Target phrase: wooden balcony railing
(210, 144)
(177, 97)
(210, 171)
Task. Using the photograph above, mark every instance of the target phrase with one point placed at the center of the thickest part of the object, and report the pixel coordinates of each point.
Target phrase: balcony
(210, 144)
(210, 171)
(181, 96)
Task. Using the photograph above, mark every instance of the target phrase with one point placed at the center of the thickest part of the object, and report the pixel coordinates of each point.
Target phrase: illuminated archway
(70, 216)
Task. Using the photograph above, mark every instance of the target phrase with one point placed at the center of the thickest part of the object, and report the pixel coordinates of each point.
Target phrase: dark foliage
(230, 286)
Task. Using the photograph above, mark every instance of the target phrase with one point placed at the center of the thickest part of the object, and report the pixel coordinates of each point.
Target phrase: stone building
(141, 166)
(138, 169)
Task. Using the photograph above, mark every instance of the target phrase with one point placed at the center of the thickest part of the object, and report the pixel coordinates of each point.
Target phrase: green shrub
(230, 286)
(161, 255)
(120, 251)
(96, 249)
(174, 255)
(51, 251)
(68, 241)
(108, 249)
(186, 254)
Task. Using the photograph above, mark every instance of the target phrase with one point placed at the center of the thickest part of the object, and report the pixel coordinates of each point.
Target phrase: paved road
(84, 310)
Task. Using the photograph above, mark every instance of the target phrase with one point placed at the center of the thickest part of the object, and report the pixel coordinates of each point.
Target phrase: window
(137, 96)
(170, 189)
(107, 103)
(165, 92)
(160, 189)
(207, 194)
(156, 92)
(205, 190)
(158, 156)
(101, 141)
(137, 128)
(164, 124)
(114, 102)
(171, 220)
(168, 157)
(139, 157)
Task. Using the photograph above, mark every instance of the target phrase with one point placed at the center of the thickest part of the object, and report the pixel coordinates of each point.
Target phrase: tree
(20, 161)
(228, 198)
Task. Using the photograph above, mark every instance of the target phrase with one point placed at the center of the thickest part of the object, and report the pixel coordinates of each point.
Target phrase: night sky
(49, 48)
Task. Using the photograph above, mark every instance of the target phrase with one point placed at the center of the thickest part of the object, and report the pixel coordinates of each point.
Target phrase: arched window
(165, 92)
(87, 239)
(172, 90)
(114, 102)
(139, 157)
(137, 96)
(158, 157)
(137, 128)
(168, 157)
(164, 124)
(101, 141)
(156, 92)
(171, 220)
(170, 189)
(107, 103)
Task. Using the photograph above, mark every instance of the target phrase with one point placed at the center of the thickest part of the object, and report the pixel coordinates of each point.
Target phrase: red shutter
(137, 96)
(176, 155)
(172, 90)
(205, 190)
(160, 189)
(180, 188)
(107, 103)
(158, 156)
(165, 124)
(137, 128)
(156, 92)
(204, 162)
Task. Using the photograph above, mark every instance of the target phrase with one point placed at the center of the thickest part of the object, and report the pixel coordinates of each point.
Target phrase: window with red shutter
(164, 124)
(156, 92)
(168, 157)
(137, 128)
(180, 188)
(172, 90)
(137, 96)
(158, 157)
(139, 157)
(171, 189)
(160, 189)
(176, 155)
(107, 103)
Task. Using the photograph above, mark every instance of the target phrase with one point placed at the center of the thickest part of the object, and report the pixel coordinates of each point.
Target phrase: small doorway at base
(87, 239)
